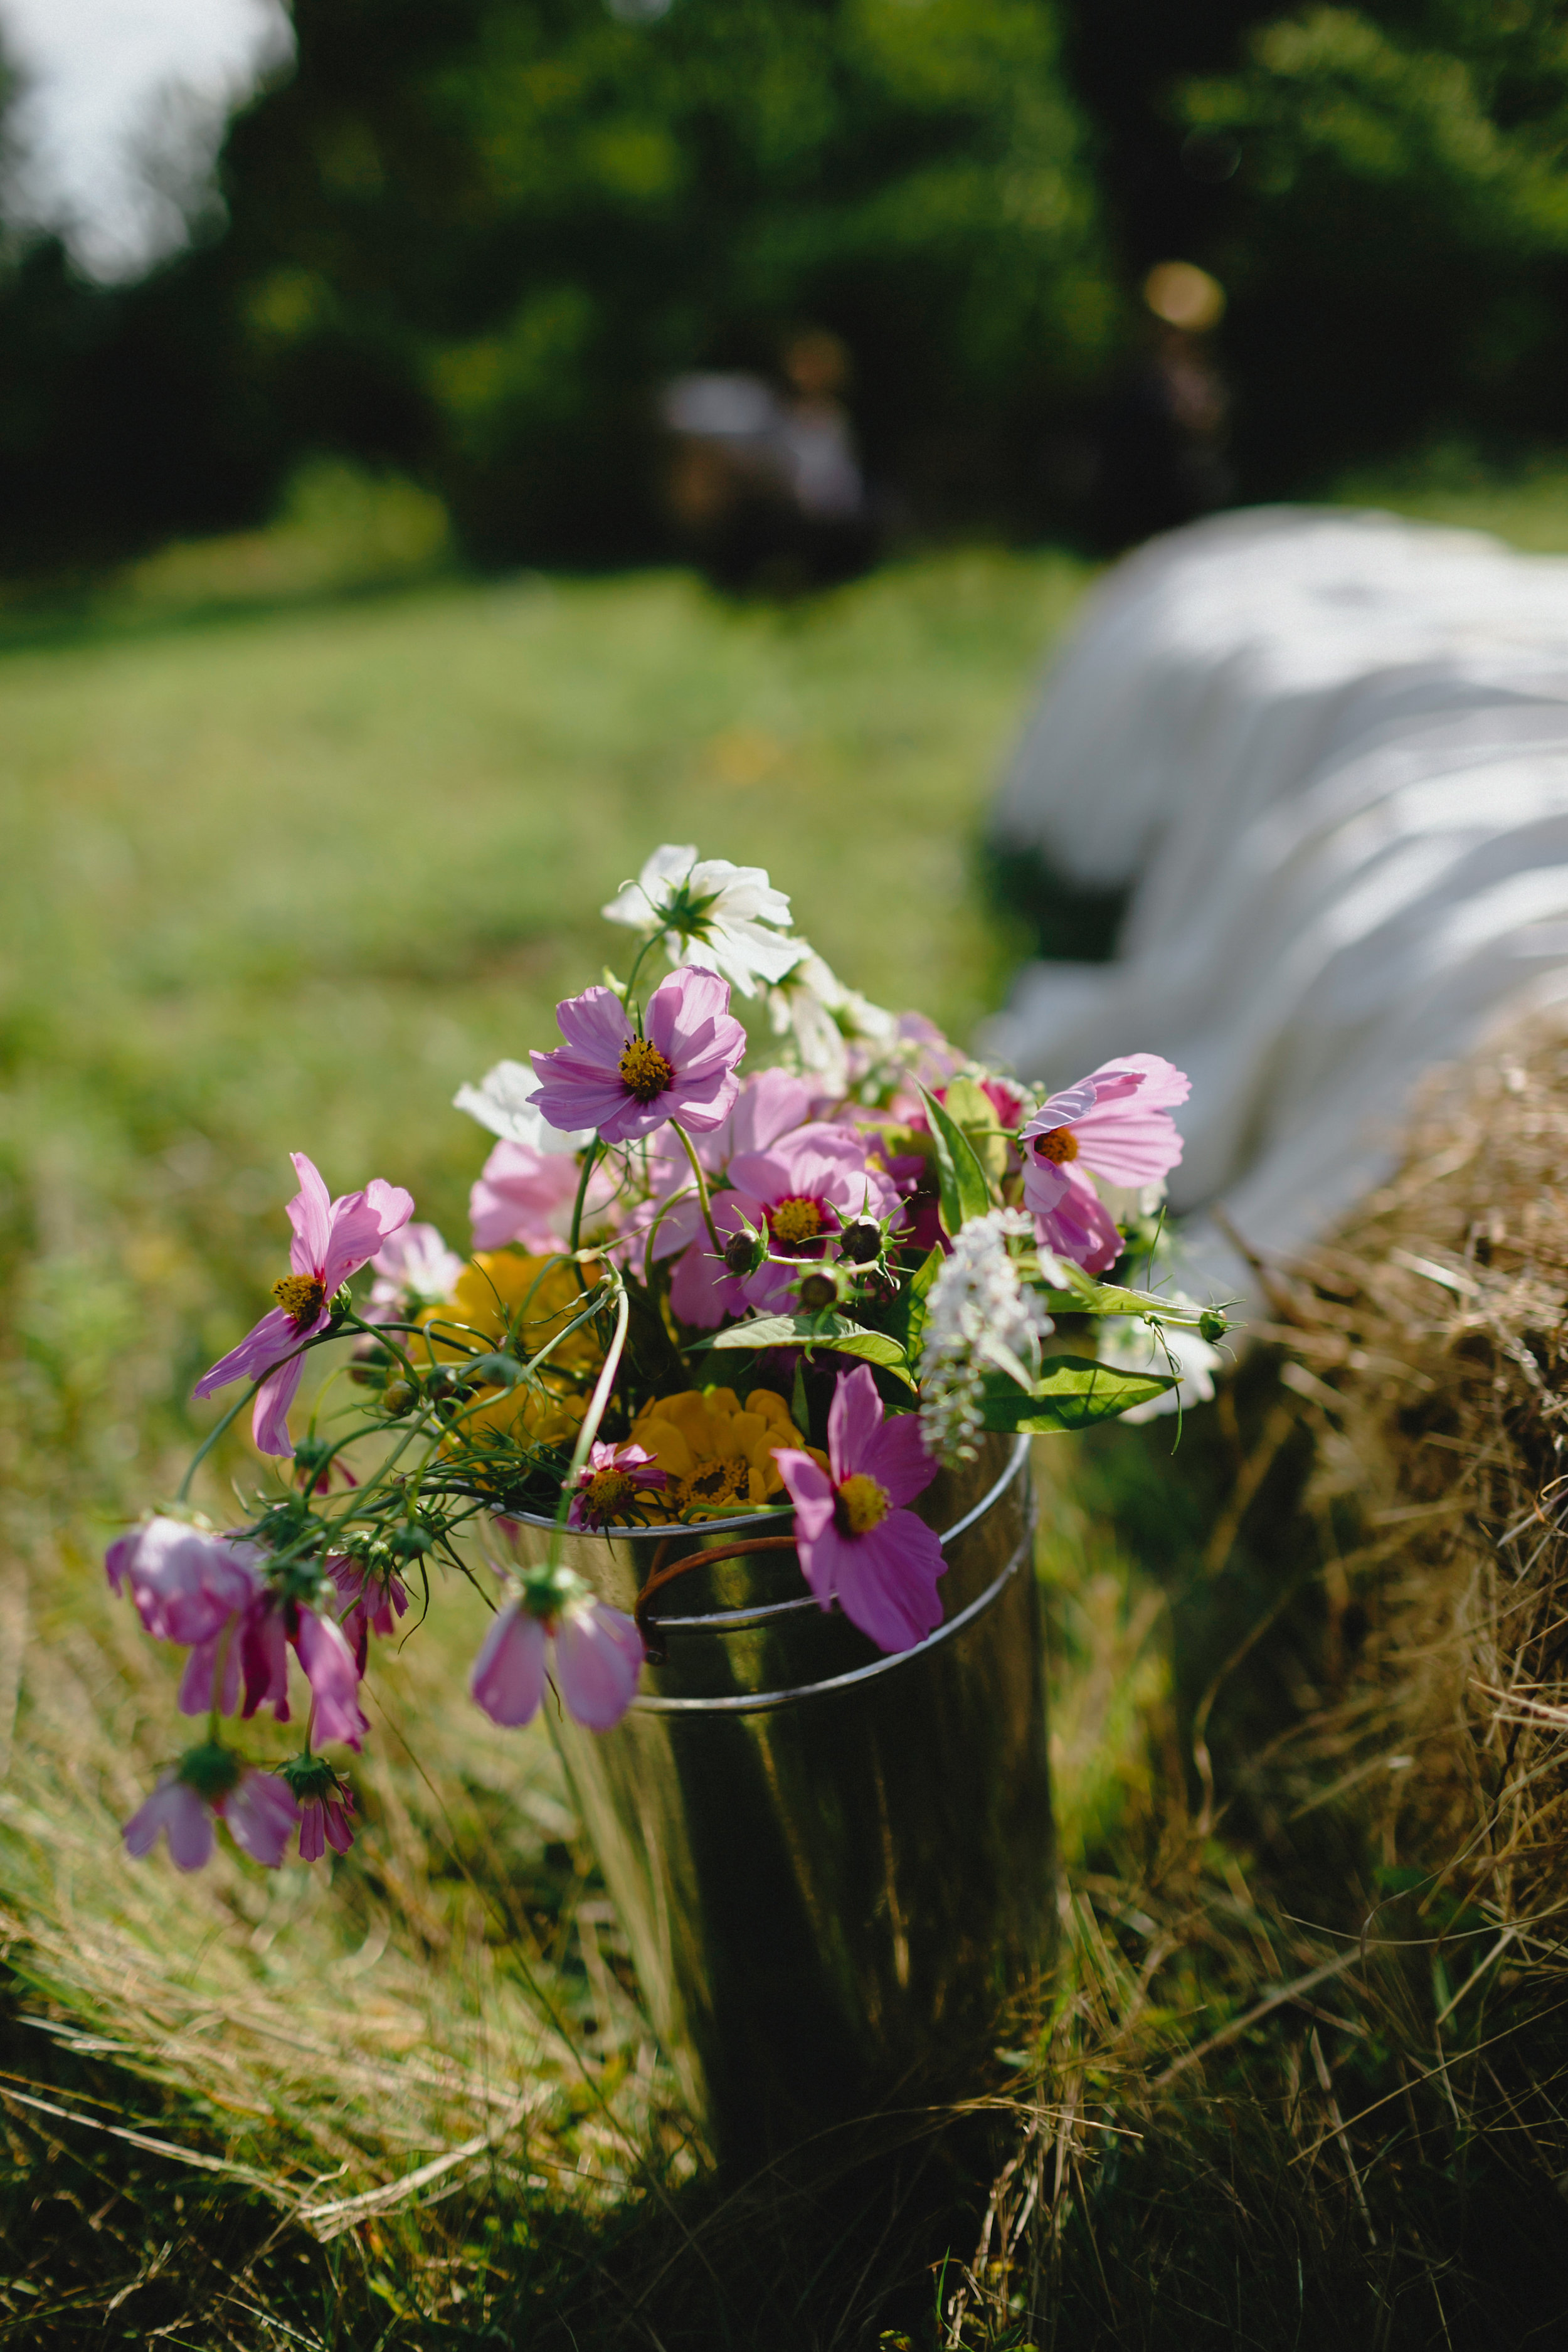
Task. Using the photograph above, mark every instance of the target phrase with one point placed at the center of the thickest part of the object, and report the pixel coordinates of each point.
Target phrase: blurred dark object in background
(765, 485)
(1159, 457)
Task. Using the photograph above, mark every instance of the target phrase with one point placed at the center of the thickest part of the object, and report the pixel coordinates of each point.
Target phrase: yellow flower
(506, 1302)
(717, 1454)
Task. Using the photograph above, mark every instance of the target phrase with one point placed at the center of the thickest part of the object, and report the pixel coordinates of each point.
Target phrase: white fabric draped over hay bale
(1328, 753)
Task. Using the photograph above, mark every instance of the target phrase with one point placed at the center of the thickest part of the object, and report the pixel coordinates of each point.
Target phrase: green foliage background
(468, 242)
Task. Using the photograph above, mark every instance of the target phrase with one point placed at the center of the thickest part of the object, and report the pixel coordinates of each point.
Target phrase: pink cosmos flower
(177, 1810)
(259, 1816)
(333, 1239)
(266, 1634)
(802, 1190)
(857, 1546)
(413, 1268)
(259, 1809)
(682, 1068)
(526, 1196)
(1115, 1123)
(609, 1483)
(324, 1821)
(370, 1608)
(594, 1652)
(187, 1585)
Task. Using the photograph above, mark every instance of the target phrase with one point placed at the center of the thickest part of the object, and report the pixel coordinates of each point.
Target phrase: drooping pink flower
(594, 1652)
(325, 1820)
(802, 1190)
(1116, 1123)
(413, 1268)
(269, 1630)
(681, 1067)
(206, 1786)
(186, 1585)
(333, 1239)
(858, 1545)
(609, 1483)
(370, 1605)
(260, 1815)
(185, 1816)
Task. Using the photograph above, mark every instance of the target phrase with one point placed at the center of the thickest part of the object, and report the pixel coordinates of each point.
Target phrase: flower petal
(898, 1459)
(854, 1424)
(269, 1416)
(508, 1680)
(598, 1658)
(265, 1344)
(260, 1814)
(310, 1214)
(333, 1677)
(811, 1490)
(887, 1586)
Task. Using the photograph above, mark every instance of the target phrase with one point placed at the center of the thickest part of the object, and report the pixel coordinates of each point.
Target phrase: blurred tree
(1395, 239)
(476, 236)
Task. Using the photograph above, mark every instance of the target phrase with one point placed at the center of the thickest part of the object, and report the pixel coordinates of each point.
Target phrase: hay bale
(1440, 1318)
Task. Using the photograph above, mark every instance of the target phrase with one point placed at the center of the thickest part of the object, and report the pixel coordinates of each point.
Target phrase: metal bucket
(834, 1867)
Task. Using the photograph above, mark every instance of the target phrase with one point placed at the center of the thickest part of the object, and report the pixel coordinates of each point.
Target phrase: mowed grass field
(281, 882)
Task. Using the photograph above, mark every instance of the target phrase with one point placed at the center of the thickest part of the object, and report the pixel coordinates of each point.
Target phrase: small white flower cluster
(980, 1317)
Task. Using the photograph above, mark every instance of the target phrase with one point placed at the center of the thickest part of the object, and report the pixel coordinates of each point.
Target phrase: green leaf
(835, 1331)
(926, 1272)
(1072, 1393)
(962, 1188)
(970, 1108)
(908, 1313)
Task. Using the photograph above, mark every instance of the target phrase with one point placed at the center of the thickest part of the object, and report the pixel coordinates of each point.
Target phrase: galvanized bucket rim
(781, 1520)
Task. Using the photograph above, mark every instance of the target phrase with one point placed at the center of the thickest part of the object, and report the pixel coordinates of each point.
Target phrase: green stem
(591, 1421)
(701, 1187)
(215, 1716)
(589, 1159)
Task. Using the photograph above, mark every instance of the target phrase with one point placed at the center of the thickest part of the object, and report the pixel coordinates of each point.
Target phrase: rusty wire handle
(662, 1576)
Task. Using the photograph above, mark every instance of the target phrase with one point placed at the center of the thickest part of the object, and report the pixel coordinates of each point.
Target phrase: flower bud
(411, 1543)
(816, 1291)
(496, 1371)
(742, 1252)
(396, 1397)
(1211, 1324)
(861, 1241)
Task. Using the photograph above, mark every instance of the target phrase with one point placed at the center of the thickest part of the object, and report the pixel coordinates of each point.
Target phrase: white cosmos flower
(721, 917)
(821, 1017)
(502, 1102)
(1128, 1345)
(980, 1317)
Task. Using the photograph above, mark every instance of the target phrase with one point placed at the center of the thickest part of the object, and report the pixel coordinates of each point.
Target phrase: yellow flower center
(300, 1296)
(607, 1492)
(714, 1484)
(794, 1222)
(644, 1070)
(861, 1505)
(1059, 1145)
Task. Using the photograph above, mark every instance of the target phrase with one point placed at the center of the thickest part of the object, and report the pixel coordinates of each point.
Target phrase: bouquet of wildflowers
(698, 1289)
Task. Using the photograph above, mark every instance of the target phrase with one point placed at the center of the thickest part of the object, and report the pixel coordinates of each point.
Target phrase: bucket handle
(765, 1702)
